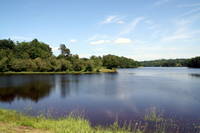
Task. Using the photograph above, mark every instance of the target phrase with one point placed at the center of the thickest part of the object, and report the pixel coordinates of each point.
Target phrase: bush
(78, 65)
(55, 64)
(18, 65)
(65, 65)
(42, 65)
(4, 64)
(89, 66)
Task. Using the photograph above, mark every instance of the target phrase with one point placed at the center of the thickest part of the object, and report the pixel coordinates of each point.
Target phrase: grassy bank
(103, 70)
(13, 122)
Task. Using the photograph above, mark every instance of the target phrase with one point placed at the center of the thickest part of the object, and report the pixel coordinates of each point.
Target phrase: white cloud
(115, 41)
(99, 42)
(73, 41)
(160, 2)
(131, 27)
(112, 19)
(122, 41)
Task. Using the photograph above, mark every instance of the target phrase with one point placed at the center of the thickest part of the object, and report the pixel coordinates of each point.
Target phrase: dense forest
(36, 56)
(193, 63)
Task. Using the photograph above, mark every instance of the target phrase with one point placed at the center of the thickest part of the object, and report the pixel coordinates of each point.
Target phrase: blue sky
(139, 29)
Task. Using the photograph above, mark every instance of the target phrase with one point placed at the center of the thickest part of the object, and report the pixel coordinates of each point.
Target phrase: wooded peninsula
(36, 56)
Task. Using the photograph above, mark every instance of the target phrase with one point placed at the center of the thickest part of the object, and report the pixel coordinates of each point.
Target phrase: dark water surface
(103, 98)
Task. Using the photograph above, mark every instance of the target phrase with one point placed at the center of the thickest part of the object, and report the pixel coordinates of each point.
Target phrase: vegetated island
(36, 57)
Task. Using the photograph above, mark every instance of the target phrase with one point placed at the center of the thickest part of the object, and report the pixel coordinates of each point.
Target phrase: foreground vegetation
(12, 122)
(153, 122)
(36, 56)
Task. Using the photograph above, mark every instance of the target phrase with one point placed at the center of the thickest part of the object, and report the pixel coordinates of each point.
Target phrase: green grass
(13, 122)
(103, 70)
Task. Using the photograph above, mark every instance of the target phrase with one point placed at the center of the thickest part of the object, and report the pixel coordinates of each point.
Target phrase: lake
(106, 97)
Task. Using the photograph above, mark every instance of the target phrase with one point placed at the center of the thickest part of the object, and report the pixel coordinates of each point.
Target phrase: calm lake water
(103, 98)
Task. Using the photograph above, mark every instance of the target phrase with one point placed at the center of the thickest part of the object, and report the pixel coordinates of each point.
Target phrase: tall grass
(153, 122)
(68, 124)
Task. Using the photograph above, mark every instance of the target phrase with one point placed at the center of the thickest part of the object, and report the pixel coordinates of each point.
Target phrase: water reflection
(64, 86)
(195, 75)
(33, 88)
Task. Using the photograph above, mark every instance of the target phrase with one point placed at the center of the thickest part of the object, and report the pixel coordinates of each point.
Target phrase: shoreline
(54, 73)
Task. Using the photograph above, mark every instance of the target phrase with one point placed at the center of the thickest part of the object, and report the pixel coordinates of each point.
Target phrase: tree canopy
(36, 56)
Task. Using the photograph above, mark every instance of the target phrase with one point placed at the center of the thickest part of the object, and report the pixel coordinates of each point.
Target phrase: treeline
(165, 63)
(36, 56)
(193, 63)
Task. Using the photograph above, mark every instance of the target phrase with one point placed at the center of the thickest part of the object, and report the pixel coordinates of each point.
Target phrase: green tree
(7, 44)
(19, 65)
(65, 52)
(6, 53)
(97, 61)
(23, 50)
(78, 65)
(4, 64)
(42, 65)
(89, 65)
(55, 64)
(194, 62)
(33, 50)
(31, 66)
(110, 61)
(65, 65)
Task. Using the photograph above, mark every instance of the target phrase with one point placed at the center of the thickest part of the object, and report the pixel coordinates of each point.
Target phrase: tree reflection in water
(33, 88)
